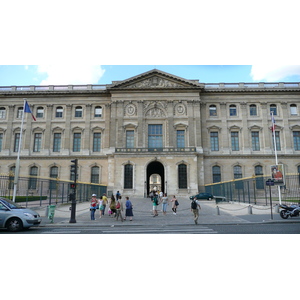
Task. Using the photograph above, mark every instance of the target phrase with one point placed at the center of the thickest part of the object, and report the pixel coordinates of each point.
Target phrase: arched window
(293, 110)
(53, 174)
(59, 112)
(98, 111)
(232, 110)
(182, 176)
(40, 112)
(216, 171)
(95, 174)
(273, 108)
(128, 176)
(259, 180)
(237, 173)
(2, 112)
(78, 112)
(20, 113)
(253, 110)
(32, 183)
(212, 110)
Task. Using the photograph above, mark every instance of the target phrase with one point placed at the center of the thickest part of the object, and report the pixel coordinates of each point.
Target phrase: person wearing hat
(93, 206)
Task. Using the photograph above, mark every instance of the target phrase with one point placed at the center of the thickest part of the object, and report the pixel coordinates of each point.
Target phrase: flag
(273, 123)
(28, 110)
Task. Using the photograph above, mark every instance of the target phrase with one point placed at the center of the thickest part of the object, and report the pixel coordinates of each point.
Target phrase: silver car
(15, 218)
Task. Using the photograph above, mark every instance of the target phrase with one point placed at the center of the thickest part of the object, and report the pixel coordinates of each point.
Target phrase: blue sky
(105, 74)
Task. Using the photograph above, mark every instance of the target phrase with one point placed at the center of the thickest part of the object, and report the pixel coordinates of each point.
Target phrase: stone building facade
(154, 130)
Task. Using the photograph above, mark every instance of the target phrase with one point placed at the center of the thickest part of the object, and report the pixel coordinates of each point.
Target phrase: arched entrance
(155, 171)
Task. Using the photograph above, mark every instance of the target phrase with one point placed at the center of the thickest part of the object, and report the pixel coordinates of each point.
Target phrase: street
(256, 228)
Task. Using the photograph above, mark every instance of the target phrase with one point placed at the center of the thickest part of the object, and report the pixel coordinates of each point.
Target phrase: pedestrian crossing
(134, 230)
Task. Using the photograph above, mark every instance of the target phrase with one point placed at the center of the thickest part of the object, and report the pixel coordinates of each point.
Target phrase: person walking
(100, 204)
(93, 206)
(195, 206)
(155, 204)
(175, 204)
(119, 208)
(165, 203)
(112, 206)
(128, 211)
(104, 203)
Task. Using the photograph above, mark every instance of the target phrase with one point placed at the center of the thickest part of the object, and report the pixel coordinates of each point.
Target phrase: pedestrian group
(116, 207)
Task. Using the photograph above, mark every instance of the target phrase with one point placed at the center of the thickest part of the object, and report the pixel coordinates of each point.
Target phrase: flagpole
(17, 168)
(275, 150)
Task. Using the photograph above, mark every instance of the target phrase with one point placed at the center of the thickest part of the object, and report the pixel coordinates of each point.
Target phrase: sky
(61, 74)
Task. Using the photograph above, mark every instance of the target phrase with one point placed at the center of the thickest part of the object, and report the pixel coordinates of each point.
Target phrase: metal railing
(255, 191)
(35, 191)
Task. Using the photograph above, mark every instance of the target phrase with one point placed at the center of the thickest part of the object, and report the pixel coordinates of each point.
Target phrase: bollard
(249, 210)
(218, 210)
(277, 208)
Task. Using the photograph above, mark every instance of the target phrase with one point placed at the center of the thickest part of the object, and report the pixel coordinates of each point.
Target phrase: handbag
(118, 205)
(176, 203)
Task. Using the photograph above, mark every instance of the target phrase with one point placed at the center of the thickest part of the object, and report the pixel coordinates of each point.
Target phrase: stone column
(9, 139)
(68, 133)
(286, 134)
(86, 147)
(48, 136)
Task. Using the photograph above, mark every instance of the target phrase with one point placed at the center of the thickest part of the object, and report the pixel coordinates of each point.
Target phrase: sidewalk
(229, 213)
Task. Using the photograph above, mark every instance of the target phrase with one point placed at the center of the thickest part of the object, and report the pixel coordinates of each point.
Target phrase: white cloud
(273, 72)
(71, 74)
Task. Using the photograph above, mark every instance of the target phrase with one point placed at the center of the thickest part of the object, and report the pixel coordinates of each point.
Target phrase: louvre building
(154, 130)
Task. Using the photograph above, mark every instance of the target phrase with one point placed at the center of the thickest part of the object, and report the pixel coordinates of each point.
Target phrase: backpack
(194, 204)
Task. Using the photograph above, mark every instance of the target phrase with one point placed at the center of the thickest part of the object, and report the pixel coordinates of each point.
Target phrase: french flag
(273, 123)
(28, 110)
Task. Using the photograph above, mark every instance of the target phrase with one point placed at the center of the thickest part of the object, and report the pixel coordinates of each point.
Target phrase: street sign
(270, 182)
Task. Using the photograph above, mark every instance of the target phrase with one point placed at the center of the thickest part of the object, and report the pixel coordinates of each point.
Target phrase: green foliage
(27, 198)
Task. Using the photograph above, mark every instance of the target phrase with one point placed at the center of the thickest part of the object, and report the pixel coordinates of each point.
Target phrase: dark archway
(155, 167)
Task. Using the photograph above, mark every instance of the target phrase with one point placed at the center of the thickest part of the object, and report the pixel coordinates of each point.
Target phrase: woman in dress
(174, 205)
(128, 212)
(112, 206)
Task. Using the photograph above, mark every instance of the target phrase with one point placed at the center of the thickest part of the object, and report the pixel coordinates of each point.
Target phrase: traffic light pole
(74, 169)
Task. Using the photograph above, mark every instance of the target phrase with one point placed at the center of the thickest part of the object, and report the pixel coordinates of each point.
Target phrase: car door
(3, 213)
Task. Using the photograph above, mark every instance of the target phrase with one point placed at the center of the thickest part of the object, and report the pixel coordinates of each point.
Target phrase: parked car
(15, 217)
(206, 196)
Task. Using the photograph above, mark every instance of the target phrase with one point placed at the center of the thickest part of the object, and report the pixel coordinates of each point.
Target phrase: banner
(277, 174)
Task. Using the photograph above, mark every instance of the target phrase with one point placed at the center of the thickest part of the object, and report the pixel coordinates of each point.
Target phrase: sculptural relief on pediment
(155, 82)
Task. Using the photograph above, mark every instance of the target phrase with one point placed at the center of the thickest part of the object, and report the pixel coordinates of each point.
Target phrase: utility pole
(72, 195)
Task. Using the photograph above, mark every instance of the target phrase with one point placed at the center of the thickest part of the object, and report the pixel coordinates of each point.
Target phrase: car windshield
(10, 204)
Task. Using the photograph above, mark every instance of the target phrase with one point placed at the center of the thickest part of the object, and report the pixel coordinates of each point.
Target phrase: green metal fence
(45, 191)
(255, 191)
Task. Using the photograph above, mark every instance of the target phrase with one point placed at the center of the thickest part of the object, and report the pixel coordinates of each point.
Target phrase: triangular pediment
(156, 79)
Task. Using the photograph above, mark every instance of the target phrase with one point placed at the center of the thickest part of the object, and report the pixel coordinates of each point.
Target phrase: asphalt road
(254, 228)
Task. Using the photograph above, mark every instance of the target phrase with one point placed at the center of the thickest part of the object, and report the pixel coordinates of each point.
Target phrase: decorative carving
(155, 82)
(130, 110)
(155, 113)
(180, 109)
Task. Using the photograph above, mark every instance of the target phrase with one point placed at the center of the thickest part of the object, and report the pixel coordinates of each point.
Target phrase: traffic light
(74, 169)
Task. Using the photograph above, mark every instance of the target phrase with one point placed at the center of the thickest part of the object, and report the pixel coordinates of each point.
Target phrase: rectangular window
(77, 142)
(40, 112)
(97, 142)
(214, 141)
(37, 142)
(1, 141)
(180, 139)
(277, 139)
(255, 140)
(296, 137)
(57, 142)
(235, 141)
(155, 137)
(17, 141)
(130, 139)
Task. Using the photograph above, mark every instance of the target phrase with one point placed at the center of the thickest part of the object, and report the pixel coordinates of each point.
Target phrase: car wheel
(14, 224)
